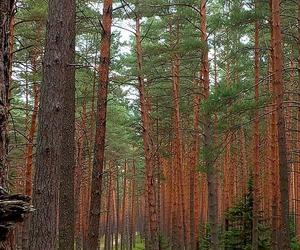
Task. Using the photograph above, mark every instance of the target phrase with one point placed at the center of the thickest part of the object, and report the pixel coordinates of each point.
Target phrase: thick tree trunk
(284, 242)
(55, 161)
(99, 148)
(6, 37)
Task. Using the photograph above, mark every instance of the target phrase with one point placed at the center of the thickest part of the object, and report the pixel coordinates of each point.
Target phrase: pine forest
(157, 125)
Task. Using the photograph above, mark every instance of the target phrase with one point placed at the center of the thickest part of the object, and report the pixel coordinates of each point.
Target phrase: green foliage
(163, 242)
(139, 243)
(295, 245)
(224, 96)
(205, 240)
(238, 225)
(208, 155)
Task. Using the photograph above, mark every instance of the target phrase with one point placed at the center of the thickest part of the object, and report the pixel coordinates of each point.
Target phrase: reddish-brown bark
(80, 175)
(181, 236)
(193, 166)
(256, 163)
(151, 208)
(297, 179)
(107, 244)
(27, 171)
(99, 147)
(209, 165)
(117, 210)
(123, 217)
(54, 161)
(284, 240)
(133, 204)
(29, 147)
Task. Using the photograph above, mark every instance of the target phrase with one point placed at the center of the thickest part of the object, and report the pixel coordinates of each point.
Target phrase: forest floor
(138, 245)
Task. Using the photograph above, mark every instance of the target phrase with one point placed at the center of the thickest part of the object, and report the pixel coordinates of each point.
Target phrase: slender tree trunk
(203, 205)
(31, 130)
(78, 178)
(279, 97)
(297, 184)
(87, 186)
(256, 169)
(176, 239)
(29, 162)
(209, 166)
(123, 234)
(193, 166)
(243, 158)
(80, 175)
(55, 162)
(273, 149)
(29, 147)
(133, 209)
(178, 150)
(108, 210)
(113, 212)
(171, 195)
(96, 189)
(117, 210)
(153, 241)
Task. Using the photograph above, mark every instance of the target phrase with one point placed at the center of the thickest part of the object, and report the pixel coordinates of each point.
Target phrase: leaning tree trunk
(99, 147)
